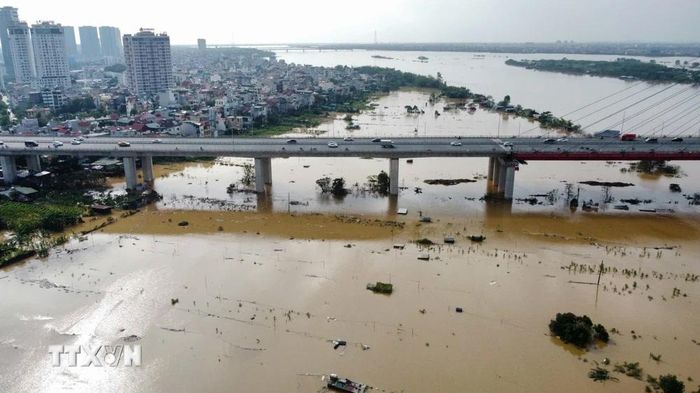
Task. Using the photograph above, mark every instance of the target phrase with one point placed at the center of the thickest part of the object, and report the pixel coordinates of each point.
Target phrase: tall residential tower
(149, 62)
(89, 43)
(50, 56)
(111, 40)
(8, 17)
(71, 45)
(20, 47)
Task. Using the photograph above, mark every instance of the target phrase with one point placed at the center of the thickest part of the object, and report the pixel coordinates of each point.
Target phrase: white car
(348, 139)
(455, 143)
(507, 144)
(332, 145)
(156, 141)
(57, 143)
(75, 142)
(562, 140)
(80, 139)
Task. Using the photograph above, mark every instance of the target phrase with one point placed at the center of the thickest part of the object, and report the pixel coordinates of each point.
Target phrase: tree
(379, 183)
(670, 384)
(325, 184)
(338, 187)
(576, 330)
(505, 101)
(248, 174)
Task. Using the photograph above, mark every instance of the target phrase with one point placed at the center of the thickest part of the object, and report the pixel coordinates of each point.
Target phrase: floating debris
(381, 287)
(345, 385)
(339, 343)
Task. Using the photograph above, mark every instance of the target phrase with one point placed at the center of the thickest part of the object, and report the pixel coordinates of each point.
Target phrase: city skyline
(392, 20)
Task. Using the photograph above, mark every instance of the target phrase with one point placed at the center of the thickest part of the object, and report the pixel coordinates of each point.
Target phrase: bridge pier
(130, 172)
(500, 181)
(263, 174)
(34, 162)
(9, 169)
(147, 168)
(393, 176)
(489, 176)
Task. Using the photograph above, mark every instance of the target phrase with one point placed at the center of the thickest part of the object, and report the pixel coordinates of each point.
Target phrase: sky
(331, 21)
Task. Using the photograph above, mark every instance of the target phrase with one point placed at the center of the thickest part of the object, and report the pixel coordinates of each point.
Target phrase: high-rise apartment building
(89, 43)
(50, 57)
(8, 17)
(202, 44)
(111, 40)
(20, 47)
(71, 44)
(149, 62)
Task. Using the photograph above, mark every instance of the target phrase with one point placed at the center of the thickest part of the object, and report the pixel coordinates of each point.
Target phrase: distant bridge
(505, 154)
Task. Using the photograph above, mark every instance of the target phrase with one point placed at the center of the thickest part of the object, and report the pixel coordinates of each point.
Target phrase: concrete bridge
(505, 154)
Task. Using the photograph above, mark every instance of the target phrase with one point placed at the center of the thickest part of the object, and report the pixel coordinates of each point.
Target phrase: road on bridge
(518, 148)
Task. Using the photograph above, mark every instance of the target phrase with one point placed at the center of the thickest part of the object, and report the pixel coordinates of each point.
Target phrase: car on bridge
(628, 137)
(651, 140)
(75, 142)
(31, 144)
(550, 141)
(332, 145)
(291, 141)
(455, 143)
(57, 143)
(156, 141)
(348, 139)
(676, 139)
(123, 144)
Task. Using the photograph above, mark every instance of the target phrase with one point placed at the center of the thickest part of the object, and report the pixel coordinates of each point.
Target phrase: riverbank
(622, 68)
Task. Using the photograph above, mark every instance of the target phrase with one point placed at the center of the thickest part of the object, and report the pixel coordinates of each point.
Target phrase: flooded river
(232, 292)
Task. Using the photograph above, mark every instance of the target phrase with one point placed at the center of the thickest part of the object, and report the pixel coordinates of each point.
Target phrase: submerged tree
(338, 187)
(248, 174)
(576, 330)
(324, 184)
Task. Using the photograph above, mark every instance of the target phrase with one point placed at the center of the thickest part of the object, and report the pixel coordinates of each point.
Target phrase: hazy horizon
(395, 21)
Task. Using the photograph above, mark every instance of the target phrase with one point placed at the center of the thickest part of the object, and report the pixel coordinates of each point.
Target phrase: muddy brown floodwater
(264, 285)
(262, 295)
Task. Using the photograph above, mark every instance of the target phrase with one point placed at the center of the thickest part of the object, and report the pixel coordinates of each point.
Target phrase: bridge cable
(673, 107)
(686, 123)
(675, 119)
(629, 106)
(647, 108)
(598, 101)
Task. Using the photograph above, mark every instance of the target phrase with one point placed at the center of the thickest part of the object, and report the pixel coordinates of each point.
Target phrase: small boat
(345, 385)
(477, 238)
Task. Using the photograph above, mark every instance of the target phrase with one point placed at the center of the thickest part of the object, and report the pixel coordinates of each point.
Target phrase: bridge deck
(522, 148)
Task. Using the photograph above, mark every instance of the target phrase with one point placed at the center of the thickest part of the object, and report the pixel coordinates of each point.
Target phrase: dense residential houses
(140, 84)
